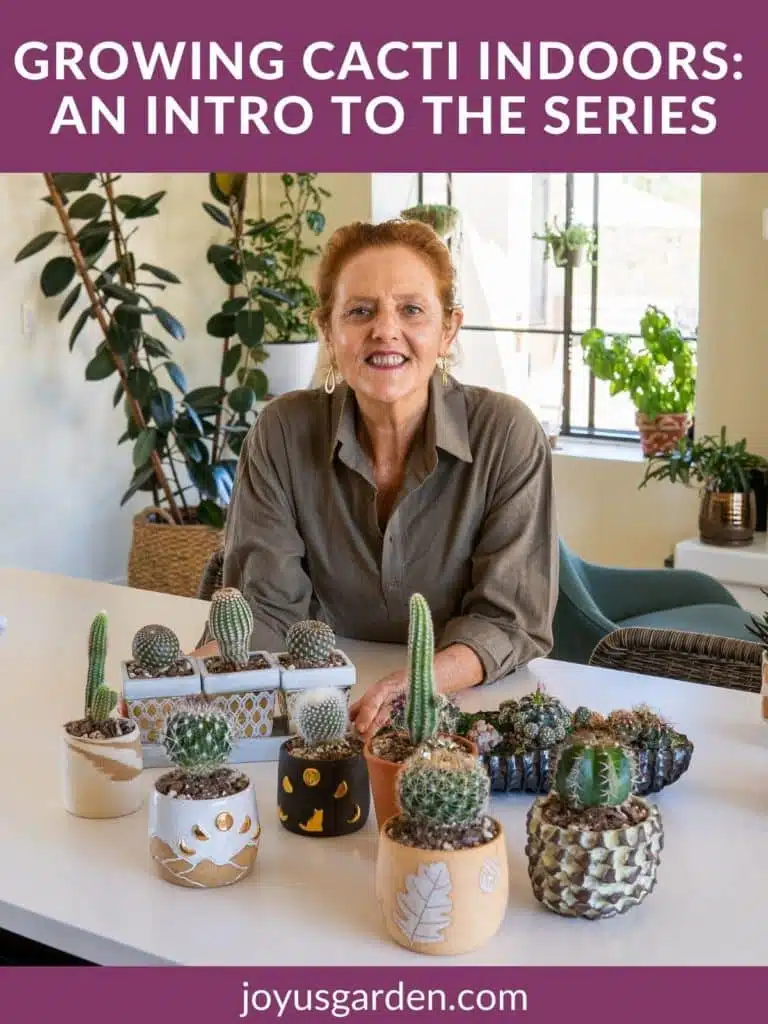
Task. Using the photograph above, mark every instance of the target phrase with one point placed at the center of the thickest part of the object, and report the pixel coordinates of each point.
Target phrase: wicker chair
(673, 654)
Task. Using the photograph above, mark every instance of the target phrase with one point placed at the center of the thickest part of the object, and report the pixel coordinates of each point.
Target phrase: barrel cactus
(100, 700)
(231, 623)
(536, 720)
(198, 739)
(155, 648)
(310, 643)
(320, 716)
(443, 787)
(594, 774)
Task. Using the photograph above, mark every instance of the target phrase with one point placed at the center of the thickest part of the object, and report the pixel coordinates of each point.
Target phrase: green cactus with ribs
(154, 649)
(595, 772)
(536, 720)
(230, 621)
(423, 705)
(320, 717)
(310, 643)
(444, 787)
(100, 700)
(198, 738)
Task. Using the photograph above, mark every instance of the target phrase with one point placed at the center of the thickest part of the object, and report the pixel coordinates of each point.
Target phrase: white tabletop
(88, 888)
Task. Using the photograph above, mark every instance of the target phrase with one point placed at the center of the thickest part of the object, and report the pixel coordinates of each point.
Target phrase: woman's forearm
(457, 667)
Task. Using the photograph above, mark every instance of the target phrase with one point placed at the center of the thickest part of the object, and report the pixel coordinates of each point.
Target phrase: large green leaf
(229, 271)
(57, 275)
(170, 323)
(163, 408)
(218, 215)
(210, 514)
(249, 325)
(231, 360)
(221, 325)
(258, 383)
(87, 206)
(140, 383)
(219, 253)
(160, 272)
(37, 244)
(155, 348)
(140, 477)
(69, 302)
(144, 446)
(241, 400)
(79, 324)
(234, 305)
(73, 182)
(204, 398)
(101, 366)
(177, 376)
(119, 291)
(145, 207)
(117, 396)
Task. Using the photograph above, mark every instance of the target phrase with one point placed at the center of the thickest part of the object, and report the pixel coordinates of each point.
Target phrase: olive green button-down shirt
(473, 528)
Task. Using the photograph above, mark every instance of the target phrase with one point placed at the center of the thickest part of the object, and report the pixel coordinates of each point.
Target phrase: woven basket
(169, 558)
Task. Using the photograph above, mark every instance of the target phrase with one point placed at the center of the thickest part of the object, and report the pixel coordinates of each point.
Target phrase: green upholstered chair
(594, 600)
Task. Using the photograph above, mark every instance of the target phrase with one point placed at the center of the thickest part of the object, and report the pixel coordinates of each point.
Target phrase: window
(524, 315)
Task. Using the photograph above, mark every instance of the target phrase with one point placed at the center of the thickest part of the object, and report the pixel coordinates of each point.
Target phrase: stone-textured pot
(204, 844)
(322, 798)
(442, 903)
(102, 778)
(580, 872)
(660, 434)
(727, 519)
(382, 775)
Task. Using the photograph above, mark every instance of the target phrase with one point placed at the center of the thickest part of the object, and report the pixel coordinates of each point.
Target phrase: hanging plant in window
(569, 246)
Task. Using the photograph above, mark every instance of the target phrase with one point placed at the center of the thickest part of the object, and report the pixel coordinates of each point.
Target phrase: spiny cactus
(448, 712)
(445, 787)
(537, 719)
(155, 648)
(582, 717)
(231, 623)
(594, 773)
(422, 712)
(653, 730)
(624, 725)
(321, 716)
(310, 644)
(198, 738)
(100, 701)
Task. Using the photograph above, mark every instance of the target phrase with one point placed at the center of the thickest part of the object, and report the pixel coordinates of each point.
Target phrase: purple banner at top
(398, 86)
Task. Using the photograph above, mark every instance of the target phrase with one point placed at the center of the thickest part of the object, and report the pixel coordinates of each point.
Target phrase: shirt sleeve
(507, 613)
(263, 550)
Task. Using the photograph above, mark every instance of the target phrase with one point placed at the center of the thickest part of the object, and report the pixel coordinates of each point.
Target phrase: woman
(397, 479)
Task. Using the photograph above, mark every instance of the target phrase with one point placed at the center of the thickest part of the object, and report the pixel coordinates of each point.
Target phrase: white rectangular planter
(248, 696)
(294, 680)
(150, 701)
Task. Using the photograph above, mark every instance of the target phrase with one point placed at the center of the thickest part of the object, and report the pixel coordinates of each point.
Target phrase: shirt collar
(446, 424)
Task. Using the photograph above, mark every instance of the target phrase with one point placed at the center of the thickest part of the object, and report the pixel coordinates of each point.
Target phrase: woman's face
(387, 324)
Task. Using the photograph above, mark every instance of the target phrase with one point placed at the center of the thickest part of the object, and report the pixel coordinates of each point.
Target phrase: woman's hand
(371, 711)
(209, 650)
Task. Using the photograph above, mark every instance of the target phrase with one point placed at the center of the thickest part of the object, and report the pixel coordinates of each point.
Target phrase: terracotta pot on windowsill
(660, 434)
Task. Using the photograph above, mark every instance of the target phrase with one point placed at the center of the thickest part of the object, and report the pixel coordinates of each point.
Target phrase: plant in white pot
(312, 659)
(204, 827)
(441, 871)
(102, 752)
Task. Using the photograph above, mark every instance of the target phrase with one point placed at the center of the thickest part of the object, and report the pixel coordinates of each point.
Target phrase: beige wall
(63, 474)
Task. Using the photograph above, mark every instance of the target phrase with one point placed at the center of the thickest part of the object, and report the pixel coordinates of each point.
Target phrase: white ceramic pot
(102, 778)
(290, 365)
(204, 844)
(248, 696)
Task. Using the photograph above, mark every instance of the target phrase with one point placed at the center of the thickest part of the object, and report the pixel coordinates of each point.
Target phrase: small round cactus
(624, 725)
(444, 787)
(484, 735)
(582, 717)
(155, 648)
(321, 716)
(198, 739)
(538, 718)
(653, 730)
(310, 643)
(594, 773)
(231, 623)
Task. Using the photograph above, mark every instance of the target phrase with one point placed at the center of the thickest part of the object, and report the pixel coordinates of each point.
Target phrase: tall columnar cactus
(321, 716)
(231, 623)
(443, 786)
(310, 644)
(100, 701)
(155, 648)
(448, 711)
(198, 739)
(594, 773)
(422, 712)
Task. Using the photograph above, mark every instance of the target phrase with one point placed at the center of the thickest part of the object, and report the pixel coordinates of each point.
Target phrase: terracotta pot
(204, 844)
(382, 775)
(660, 434)
(439, 902)
(102, 778)
(727, 519)
(322, 798)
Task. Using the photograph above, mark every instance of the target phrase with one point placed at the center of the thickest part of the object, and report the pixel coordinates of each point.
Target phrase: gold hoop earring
(330, 380)
(442, 362)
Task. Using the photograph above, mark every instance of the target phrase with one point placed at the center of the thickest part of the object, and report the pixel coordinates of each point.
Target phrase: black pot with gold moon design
(322, 797)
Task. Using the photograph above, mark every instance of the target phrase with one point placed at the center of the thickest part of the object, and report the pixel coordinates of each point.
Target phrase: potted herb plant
(102, 752)
(204, 825)
(323, 787)
(155, 678)
(593, 846)
(427, 714)
(568, 246)
(723, 471)
(657, 372)
(441, 870)
(237, 680)
(312, 659)
(442, 217)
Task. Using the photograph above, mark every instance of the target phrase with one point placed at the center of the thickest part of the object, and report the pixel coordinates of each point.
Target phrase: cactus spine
(321, 716)
(594, 773)
(100, 701)
(231, 624)
(422, 714)
(443, 787)
(198, 739)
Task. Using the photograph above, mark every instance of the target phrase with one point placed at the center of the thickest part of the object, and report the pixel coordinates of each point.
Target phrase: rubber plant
(102, 279)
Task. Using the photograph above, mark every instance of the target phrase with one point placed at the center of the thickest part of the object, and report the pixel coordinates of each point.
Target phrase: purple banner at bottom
(228, 995)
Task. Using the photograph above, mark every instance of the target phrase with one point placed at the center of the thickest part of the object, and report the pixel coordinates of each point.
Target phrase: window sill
(597, 448)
